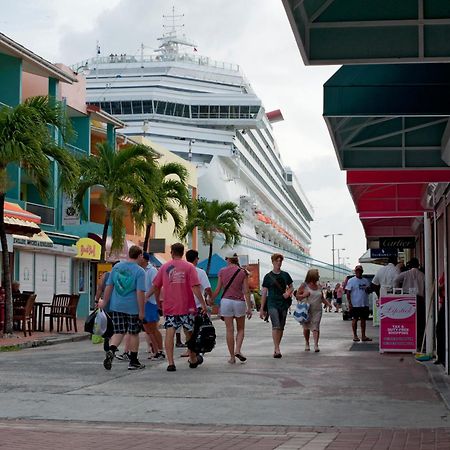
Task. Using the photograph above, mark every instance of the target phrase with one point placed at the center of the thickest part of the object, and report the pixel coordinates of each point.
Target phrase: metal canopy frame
(389, 116)
(370, 31)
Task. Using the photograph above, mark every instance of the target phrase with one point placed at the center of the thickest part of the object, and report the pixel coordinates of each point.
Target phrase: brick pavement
(24, 435)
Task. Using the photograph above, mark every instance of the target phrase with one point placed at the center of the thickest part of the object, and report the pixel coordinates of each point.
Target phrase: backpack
(203, 338)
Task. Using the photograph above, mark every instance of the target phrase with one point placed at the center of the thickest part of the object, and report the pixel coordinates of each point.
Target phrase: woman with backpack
(235, 304)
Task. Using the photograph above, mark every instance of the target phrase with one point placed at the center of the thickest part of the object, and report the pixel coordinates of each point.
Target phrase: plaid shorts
(185, 320)
(126, 323)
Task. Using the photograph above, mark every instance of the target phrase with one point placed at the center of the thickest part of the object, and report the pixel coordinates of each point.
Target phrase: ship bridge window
(234, 112)
(224, 112)
(160, 107)
(204, 111)
(137, 106)
(116, 108)
(245, 112)
(106, 106)
(194, 111)
(186, 111)
(170, 109)
(147, 106)
(179, 110)
(254, 111)
(214, 112)
(126, 107)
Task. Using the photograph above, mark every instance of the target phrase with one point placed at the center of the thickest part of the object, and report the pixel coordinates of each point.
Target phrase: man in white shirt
(385, 275)
(413, 282)
(358, 302)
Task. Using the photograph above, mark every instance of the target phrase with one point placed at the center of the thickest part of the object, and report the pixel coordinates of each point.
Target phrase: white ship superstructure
(207, 112)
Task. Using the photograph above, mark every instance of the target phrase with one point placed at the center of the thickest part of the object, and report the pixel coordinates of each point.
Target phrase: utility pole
(332, 245)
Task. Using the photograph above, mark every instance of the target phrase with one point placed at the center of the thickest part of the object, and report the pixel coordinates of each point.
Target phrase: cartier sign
(398, 242)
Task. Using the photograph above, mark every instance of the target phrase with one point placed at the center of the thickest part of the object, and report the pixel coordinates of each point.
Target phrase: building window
(82, 282)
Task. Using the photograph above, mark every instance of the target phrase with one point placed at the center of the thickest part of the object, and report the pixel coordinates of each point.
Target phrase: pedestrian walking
(235, 305)
(180, 282)
(125, 289)
(151, 314)
(337, 294)
(276, 293)
(357, 290)
(311, 292)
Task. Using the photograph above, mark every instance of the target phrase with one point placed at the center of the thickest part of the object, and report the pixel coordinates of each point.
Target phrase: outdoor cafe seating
(63, 308)
(23, 311)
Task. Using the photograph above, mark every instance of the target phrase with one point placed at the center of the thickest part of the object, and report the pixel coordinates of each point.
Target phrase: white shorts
(232, 308)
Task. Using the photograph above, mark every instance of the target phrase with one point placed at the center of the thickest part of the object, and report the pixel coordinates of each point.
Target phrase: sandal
(194, 365)
(277, 355)
(356, 339)
(366, 339)
(240, 357)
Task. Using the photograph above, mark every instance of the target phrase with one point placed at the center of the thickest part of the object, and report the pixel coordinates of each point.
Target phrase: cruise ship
(207, 112)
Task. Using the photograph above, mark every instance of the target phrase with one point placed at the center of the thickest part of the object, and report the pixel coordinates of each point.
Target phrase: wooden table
(38, 316)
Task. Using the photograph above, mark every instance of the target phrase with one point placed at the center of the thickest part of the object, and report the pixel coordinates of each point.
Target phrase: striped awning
(18, 220)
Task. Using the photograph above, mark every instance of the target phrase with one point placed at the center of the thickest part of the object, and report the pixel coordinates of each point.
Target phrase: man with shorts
(125, 289)
(357, 290)
(277, 291)
(180, 282)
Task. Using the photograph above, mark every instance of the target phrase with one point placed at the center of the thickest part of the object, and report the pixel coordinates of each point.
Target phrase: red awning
(14, 211)
(389, 202)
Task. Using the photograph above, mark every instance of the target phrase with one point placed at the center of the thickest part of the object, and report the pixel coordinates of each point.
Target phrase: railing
(76, 151)
(46, 213)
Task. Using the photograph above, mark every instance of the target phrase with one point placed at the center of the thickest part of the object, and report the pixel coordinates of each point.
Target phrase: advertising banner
(398, 331)
(253, 279)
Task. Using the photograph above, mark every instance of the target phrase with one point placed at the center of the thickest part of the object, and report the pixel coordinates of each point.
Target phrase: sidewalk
(37, 339)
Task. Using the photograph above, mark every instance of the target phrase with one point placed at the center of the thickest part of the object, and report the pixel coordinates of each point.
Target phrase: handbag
(301, 313)
(89, 324)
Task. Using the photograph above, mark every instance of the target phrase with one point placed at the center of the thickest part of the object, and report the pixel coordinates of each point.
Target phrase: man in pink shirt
(180, 282)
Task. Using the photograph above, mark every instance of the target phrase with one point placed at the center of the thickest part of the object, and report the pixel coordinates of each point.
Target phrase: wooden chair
(58, 307)
(71, 313)
(23, 314)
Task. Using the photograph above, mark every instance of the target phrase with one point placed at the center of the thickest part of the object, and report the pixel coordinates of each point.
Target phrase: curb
(49, 340)
(440, 381)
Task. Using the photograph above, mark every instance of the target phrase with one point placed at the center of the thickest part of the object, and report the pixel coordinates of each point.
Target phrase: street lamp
(332, 245)
(84, 69)
(145, 127)
(191, 141)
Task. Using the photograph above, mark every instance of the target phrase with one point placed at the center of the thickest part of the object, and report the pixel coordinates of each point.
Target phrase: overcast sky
(254, 34)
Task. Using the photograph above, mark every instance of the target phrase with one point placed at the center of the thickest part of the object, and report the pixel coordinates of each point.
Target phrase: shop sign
(398, 242)
(253, 278)
(23, 240)
(397, 323)
(383, 252)
(88, 249)
(70, 215)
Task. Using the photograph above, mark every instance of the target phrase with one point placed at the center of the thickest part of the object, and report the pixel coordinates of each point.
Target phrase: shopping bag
(301, 313)
(96, 339)
(100, 323)
(89, 324)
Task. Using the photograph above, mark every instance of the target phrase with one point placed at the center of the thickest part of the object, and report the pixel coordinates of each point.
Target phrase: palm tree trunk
(148, 229)
(105, 234)
(6, 272)
(208, 266)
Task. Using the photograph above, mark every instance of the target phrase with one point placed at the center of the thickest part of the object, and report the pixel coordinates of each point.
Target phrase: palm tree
(171, 193)
(27, 139)
(212, 218)
(123, 177)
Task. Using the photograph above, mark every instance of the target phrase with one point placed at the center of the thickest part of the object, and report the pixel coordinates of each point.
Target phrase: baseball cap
(231, 256)
(359, 267)
(146, 256)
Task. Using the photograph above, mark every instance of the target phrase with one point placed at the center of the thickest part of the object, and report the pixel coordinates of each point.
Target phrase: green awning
(389, 116)
(370, 31)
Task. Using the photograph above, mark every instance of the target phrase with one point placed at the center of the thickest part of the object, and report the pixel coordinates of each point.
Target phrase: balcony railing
(46, 213)
(76, 151)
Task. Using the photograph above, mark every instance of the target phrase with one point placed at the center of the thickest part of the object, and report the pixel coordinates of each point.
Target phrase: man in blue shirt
(358, 302)
(125, 291)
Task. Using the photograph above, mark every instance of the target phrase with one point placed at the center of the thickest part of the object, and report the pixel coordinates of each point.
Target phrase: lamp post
(145, 127)
(191, 141)
(84, 69)
(332, 245)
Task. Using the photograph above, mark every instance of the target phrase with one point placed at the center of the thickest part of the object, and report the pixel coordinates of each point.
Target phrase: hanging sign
(70, 215)
(88, 249)
(398, 330)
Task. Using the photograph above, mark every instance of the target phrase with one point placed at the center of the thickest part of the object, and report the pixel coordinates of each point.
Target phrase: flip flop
(366, 339)
(240, 357)
(356, 339)
(277, 355)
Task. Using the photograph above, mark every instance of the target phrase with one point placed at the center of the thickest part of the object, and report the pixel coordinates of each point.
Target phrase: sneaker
(107, 362)
(135, 365)
(159, 356)
(171, 368)
(123, 357)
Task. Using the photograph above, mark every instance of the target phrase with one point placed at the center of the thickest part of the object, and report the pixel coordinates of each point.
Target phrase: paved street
(347, 396)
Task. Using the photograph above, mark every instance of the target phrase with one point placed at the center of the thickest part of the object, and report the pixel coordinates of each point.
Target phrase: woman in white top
(311, 292)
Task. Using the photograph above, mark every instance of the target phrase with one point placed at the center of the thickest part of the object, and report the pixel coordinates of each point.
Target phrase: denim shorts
(278, 318)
